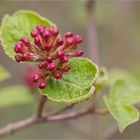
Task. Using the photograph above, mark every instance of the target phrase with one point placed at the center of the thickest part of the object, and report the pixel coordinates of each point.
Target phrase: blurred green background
(118, 42)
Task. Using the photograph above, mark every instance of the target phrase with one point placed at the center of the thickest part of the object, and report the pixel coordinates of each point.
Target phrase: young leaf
(15, 95)
(102, 79)
(124, 114)
(19, 25)
(76, 85)
(116, 74)
(123, 94)
(4, 74)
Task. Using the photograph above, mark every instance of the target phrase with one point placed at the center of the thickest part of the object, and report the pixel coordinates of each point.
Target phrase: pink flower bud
(68, 34)
(51, 66)
(40, 28)
(36, 77)
(18, 47)
(66, 68)
(59, 42)
(58, 75)
(25, 41)
(64, 59)
(78, 39)
(37, 40)
(79, 53)
(42, 85)
(46, 34)
(49, 59)
(54, 31)
(41, 64)
(60, 53)
(75, 54)
(34, 32)
(47, 47)
(69, 41)
(18, 58)
(26, 56)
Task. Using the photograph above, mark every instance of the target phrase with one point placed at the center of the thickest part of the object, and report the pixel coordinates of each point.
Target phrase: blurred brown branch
(91, 31)
(13, 127)
(93, 53)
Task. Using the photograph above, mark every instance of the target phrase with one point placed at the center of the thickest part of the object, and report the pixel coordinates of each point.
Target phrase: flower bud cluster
(50, 51)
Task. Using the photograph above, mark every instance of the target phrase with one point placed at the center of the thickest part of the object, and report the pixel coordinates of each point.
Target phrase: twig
(41, 106)
(13, 127)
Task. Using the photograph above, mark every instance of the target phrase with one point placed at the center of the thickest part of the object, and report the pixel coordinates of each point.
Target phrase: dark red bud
(79, 53)
(78, 39)
(42, 85)
(26, 41)
(45, 34)
(69, 34)
(64, 59)
(75, 54)
(48, 59)
(66, 68)
(16, 50)
(36, 77)
(34, 32)
(54, 31)
(58, 75)
(47, 47)
(18, 58)
(69, 41)
(51, 66)
(60, 53)
(18, 47)
(41, 64)
(40, 28)
(26, 56)
(37, 40)
(60, 42)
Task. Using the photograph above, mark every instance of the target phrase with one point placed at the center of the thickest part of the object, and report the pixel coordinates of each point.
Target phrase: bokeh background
(117, 39)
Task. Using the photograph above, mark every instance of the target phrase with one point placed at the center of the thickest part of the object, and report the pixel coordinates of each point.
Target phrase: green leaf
(4, 74)
(124, 92)
(76, 85)
(116, 74)
(19, 25)
(15, 95)
(102, 79)
(124, 114)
